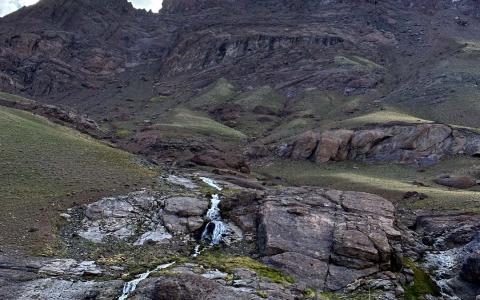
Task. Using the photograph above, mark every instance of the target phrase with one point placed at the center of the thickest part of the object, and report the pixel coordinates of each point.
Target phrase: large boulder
(188, 286)
(144, 212)
(335, 237)
(305, 145)
(471, 269)
(333, 145)
(457, 181)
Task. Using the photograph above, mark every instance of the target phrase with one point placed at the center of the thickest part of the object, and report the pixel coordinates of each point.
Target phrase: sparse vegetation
(45, 168)
(195, 123)
(389, 180)
(225, 263)
(422, 284)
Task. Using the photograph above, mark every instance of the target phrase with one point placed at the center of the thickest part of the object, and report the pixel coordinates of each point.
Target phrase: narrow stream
(213, 233)
(131, 286)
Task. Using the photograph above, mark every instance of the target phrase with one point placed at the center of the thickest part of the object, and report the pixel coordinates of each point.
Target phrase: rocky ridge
(423, 144)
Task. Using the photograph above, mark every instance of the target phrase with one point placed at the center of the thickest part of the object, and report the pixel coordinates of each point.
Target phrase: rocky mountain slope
(280, 149)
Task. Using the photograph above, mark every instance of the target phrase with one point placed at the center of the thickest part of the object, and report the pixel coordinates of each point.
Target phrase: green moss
(309, 293)
(263, 294)
(422, 284)
(224, 263)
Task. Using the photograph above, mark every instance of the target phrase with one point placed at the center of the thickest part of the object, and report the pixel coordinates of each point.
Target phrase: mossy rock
(228, 264)
(422, 283)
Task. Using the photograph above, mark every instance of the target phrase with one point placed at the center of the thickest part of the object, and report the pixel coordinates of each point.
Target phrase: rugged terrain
(280, 149)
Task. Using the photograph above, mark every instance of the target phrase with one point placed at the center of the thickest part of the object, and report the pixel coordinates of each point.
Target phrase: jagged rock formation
(423, 144)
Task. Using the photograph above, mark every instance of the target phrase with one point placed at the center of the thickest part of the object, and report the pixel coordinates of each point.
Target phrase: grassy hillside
(45, 168)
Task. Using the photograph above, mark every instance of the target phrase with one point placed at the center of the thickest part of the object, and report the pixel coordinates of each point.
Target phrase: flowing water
(213, 232)
(216, 228)
(131, 286)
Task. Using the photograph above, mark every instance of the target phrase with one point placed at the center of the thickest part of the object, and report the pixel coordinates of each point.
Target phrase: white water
(214, 216)
(131, 286)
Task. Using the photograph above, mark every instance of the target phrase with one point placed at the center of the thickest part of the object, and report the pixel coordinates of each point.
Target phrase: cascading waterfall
(213, 232)
(216, 228)
(131, 286)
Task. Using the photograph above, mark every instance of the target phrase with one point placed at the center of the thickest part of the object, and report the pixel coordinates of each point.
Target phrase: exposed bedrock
(422, 144)
(325, 238)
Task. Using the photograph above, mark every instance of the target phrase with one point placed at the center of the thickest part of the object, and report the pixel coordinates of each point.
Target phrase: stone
(420, 144)
(186, 206)
(181, 181)
(327, 238)
(332, 145)
(457, 181)
(189, 287)
(57, 289)
(471, 268)
(59, 267)
(305, 145)
(157, 236)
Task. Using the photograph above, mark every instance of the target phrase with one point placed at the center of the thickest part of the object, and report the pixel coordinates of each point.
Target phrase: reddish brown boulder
(220, 160)
(333, 145)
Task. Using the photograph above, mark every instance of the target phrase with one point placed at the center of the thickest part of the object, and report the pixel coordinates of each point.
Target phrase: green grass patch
(422, 283)
(219, 92)
(158, 99)
(15, 98)
(228, 264)
(356, 61)
(123, 133)
(196, 123)
(263, 96)
(382, 117)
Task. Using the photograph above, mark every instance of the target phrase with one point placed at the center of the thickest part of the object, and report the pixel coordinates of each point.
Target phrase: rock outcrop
(156, 219)
(422, 144)
(325, 238)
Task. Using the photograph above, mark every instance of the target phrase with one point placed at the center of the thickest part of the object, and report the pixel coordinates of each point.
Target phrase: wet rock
(456, 181)
(181, 181)
(471, 268)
